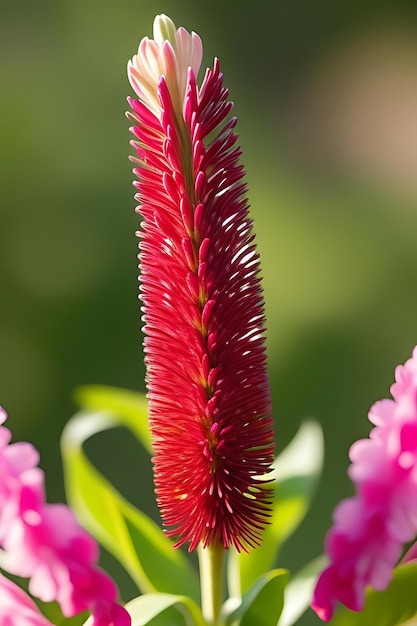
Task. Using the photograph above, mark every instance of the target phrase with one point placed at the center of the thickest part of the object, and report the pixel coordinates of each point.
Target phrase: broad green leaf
(296, 472)
(130, 535)
(262, 603)
(129, 407)
(153, 607)
(392, 607)
(299, 592)
(52, 612)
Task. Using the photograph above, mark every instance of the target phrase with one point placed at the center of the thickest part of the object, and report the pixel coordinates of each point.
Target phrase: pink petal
(369, 530)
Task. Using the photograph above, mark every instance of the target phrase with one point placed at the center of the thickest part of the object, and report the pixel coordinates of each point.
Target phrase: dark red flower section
(210, 414)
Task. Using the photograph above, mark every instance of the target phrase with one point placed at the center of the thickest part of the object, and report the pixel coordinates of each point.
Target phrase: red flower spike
(209, 403)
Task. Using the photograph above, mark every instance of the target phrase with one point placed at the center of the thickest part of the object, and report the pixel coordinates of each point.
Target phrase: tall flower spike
(209, 403)
(371, 528)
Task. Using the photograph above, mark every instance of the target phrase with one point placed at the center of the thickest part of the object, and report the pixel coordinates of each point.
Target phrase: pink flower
(209, 403)
(45, 543)
(371, 528)
(16, 608)
(15, 460)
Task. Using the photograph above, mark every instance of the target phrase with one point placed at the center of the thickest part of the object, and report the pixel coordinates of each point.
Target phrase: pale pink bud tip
(170, 55)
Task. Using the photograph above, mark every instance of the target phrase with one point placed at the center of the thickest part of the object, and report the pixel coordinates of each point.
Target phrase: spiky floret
(209, 403)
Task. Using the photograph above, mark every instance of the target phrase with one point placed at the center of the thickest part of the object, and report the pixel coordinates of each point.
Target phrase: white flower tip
(164, 30)
(170, 54)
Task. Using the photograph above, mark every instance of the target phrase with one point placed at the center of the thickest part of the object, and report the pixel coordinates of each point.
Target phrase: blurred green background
(326, 95)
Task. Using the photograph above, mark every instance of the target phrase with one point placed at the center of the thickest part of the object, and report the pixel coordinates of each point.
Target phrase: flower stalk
(211, 582)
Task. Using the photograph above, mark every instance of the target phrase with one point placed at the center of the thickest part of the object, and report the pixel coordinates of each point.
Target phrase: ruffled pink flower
(16, 608)
(371, 528)
(209, 403)
(45, 543)
(15, 460)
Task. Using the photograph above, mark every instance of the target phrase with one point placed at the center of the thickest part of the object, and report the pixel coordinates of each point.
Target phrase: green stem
(233, 575)
(211, 581)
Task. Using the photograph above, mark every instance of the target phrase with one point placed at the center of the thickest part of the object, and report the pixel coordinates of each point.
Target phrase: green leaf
(299, 591)
(392, 607)
(153, 608)
(130, 407)
(130, 535)
(52, 612)
(262, 603)
(296, 472)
